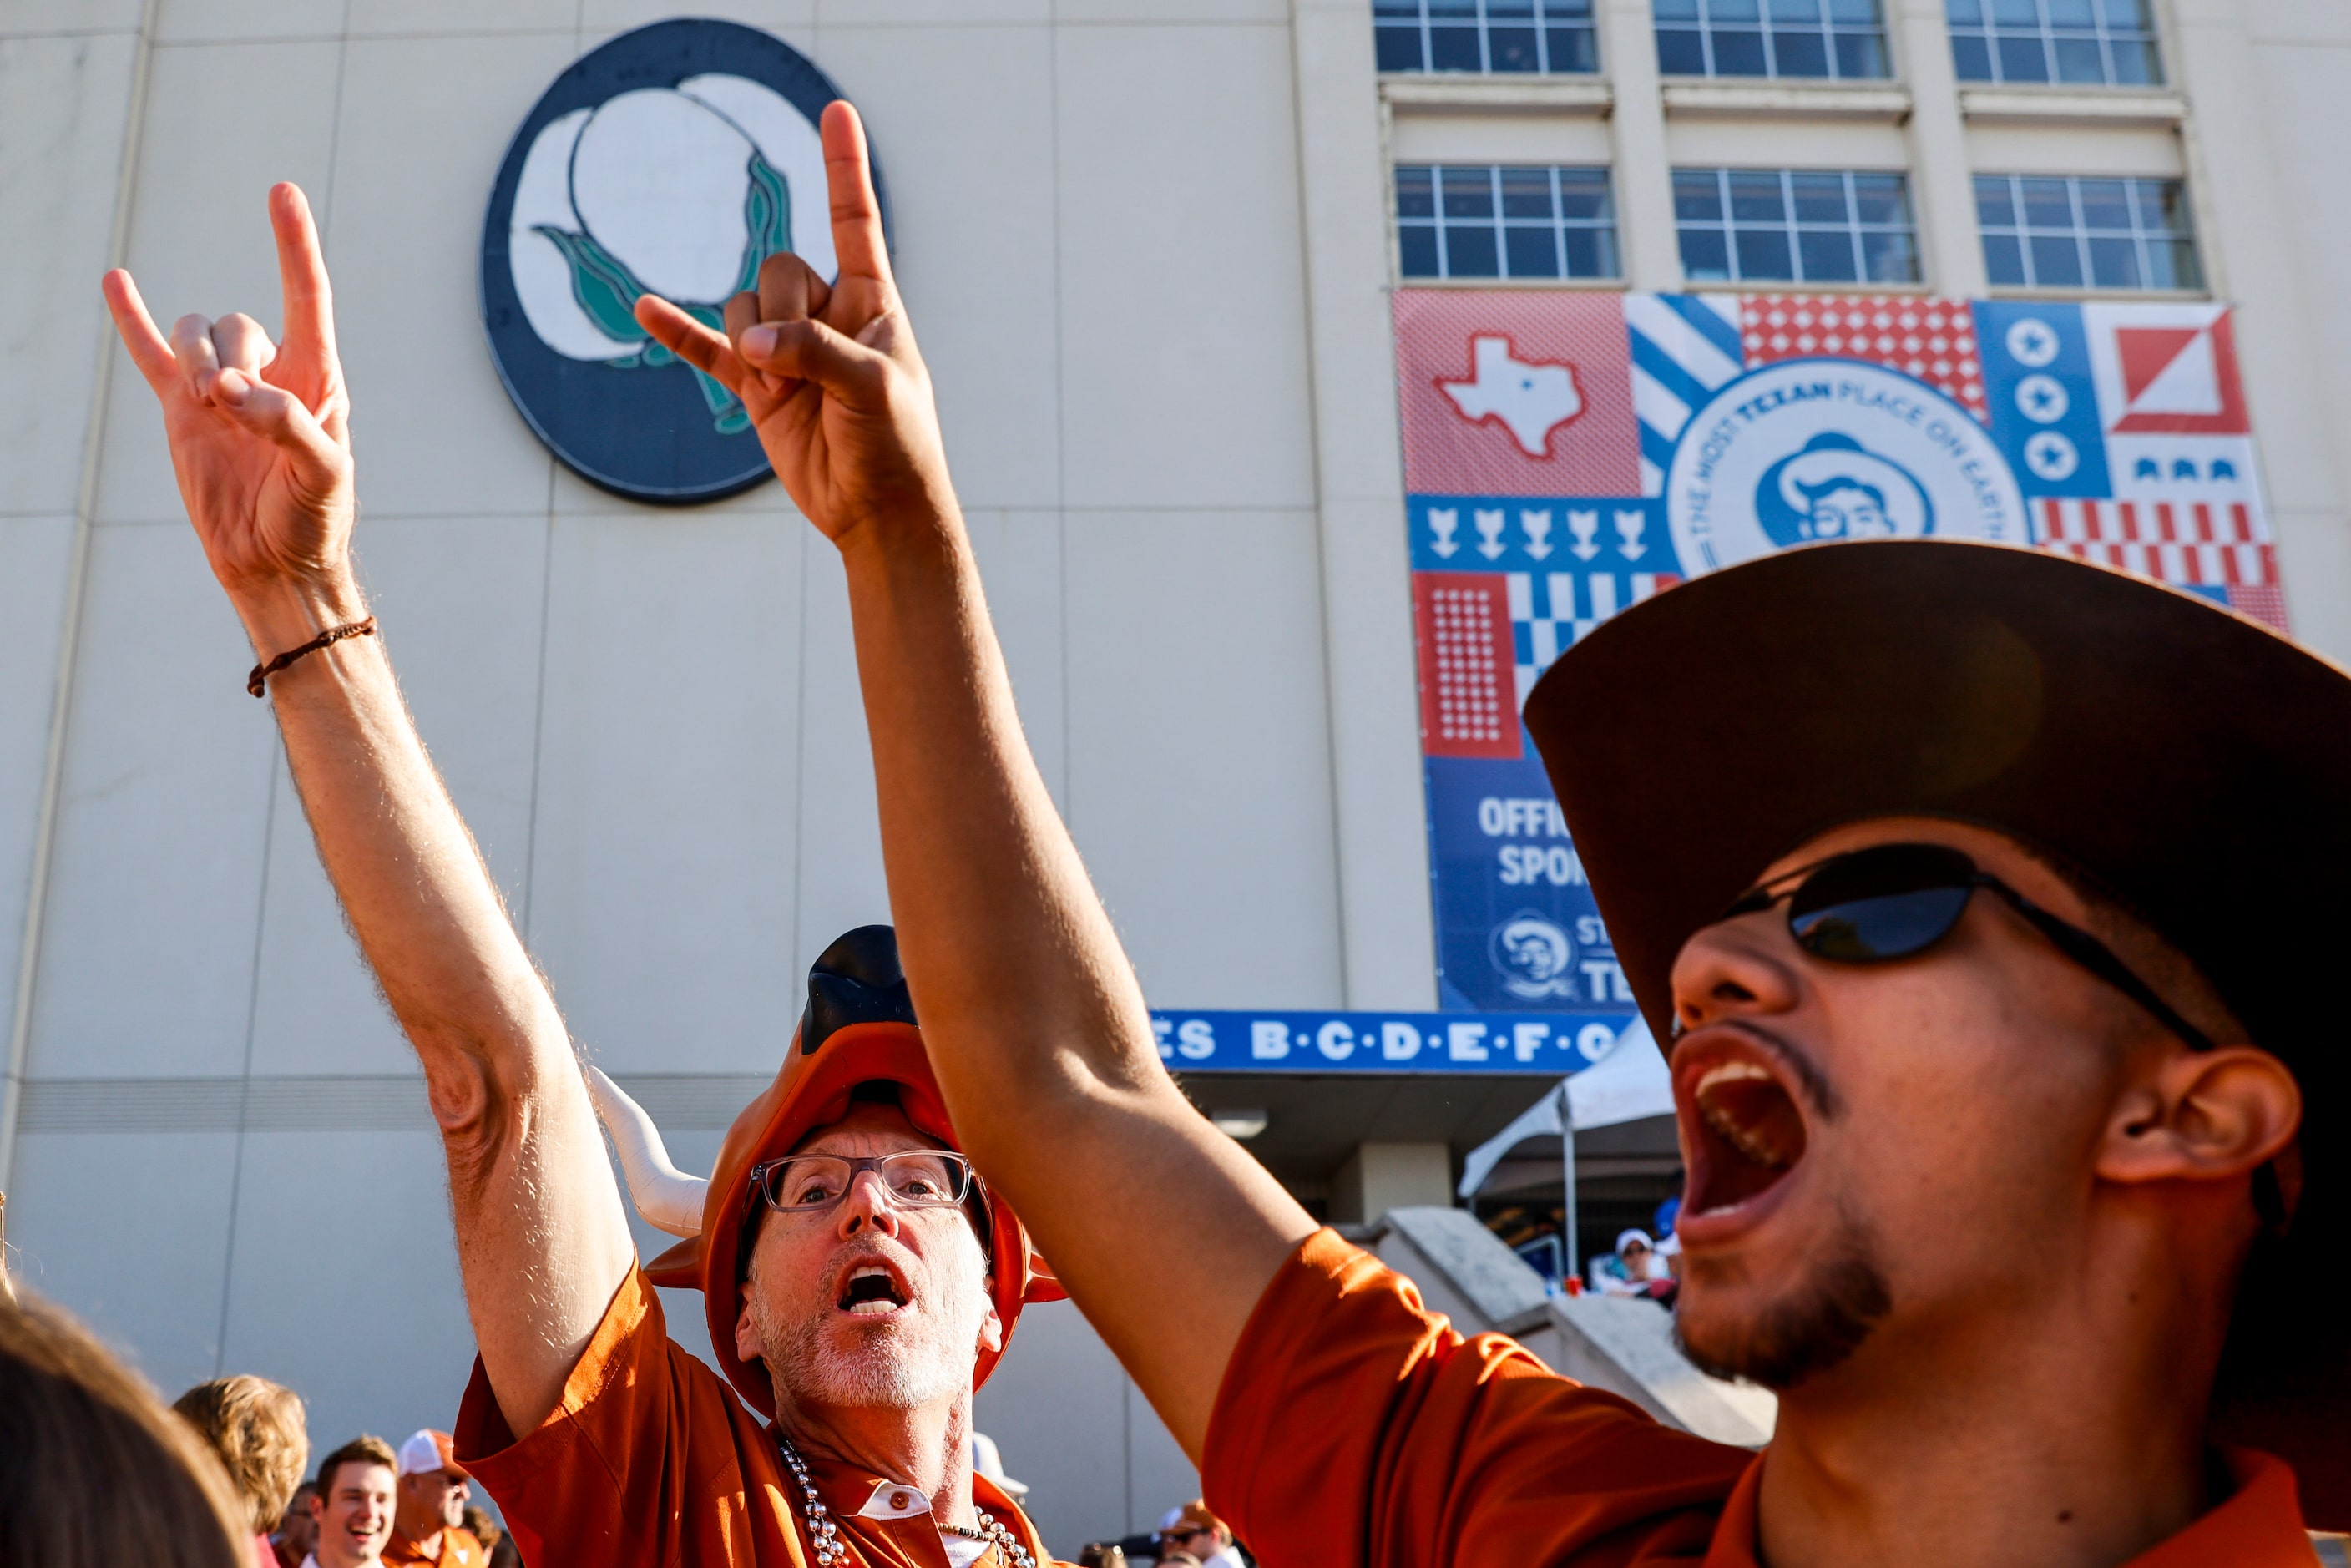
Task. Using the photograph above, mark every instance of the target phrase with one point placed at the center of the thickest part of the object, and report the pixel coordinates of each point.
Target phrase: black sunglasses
(1895, 901)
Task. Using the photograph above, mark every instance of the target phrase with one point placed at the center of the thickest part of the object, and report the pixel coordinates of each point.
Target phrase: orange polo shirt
(1355, 1426)
(460, 1548)
(650, 1459)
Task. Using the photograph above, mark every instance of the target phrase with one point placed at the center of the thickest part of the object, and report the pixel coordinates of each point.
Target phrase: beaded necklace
(831, 1551)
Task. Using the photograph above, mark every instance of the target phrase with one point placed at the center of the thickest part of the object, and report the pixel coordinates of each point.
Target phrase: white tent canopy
(1628, 1084)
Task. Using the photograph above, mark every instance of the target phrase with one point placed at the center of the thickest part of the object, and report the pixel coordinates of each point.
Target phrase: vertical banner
(1570, 454)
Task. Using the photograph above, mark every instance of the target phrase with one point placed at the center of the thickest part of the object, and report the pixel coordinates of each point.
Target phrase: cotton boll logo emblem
(671, 160)
(642, 164)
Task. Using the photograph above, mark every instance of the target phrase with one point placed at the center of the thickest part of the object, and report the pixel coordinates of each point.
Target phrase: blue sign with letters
(1549, 1045)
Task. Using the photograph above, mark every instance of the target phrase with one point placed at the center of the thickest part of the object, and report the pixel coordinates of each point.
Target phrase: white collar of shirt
(893, 1500)
(962, 1549)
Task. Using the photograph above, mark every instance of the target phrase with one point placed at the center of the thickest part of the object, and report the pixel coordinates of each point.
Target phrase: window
(1789, 225)
(2042, 233)
(1482, 220)
(2104, 43)
(1770, 38)
(1485, 36)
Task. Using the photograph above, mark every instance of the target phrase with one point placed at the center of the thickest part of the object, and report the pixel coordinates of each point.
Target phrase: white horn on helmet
(668, 1197)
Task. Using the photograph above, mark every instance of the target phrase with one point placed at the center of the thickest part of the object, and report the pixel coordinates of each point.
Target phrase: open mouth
(872, 1290)
(1748, 1133)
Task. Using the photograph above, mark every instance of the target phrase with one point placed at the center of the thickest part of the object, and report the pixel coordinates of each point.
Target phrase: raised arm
(261, 445)
(1035, 1025)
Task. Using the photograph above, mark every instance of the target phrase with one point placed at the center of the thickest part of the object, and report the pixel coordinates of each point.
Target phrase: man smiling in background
(357, 1486)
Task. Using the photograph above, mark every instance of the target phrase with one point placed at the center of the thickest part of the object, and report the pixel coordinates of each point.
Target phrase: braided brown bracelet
(327, 638)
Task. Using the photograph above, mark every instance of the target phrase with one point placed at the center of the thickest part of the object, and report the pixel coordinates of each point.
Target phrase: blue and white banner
(1547, 1045)
(1568, 454)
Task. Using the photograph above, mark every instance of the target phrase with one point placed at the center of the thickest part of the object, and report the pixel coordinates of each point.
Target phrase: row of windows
(1742, 225)
(2107, 43)
(1489, 220)
(1550, 36)
(1792, 226)
(2086, 233)
(1770, 38)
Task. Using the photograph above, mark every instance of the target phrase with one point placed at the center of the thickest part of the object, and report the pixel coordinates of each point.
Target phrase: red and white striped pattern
(2202, 544)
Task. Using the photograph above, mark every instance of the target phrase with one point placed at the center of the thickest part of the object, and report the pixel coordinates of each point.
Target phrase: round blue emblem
(670, 161)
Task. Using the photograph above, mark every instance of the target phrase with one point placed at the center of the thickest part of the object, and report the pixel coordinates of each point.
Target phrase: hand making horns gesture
(829, 374)
(260, 432)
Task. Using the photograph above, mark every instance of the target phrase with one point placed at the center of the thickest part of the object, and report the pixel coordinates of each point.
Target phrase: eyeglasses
(1895, 901)
(917, 1178)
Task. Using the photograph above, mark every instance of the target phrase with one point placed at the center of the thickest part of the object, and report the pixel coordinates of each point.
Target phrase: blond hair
(256, 1428)
(99, 1473)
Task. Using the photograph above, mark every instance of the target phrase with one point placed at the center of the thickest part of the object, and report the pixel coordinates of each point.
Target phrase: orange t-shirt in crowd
(650, 1459)
(1355, 1425)
(460, 1548)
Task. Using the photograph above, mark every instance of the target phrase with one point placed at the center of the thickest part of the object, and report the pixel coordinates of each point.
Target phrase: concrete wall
(1379, 1177)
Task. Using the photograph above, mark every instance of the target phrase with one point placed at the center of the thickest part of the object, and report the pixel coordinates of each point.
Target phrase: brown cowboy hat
(858, 1030)
(2194, 764)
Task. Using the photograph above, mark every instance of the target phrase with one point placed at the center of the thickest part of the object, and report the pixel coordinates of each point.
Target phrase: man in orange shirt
(1987, 900)
(858, 1283)
(428, 1514)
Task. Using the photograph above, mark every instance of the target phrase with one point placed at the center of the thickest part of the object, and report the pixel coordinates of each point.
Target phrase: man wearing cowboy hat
(1990, 903)
(860, 1284)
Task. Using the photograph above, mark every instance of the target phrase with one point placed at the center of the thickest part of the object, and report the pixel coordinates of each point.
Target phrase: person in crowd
(484, 1529)
(256, 1429)
(298, 1528)
(493, 1536)
(1192, 1528)
(987, 1459)
(858, 1283)
(358, 1493)
(1629, 1269)
(428, 1522)
(1946, 925)
(94, 1471)
(1102, 1555)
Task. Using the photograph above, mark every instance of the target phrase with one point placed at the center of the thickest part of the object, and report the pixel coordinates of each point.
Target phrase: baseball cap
(427, 1451)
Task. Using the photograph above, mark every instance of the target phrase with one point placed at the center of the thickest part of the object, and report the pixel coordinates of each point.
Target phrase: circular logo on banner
(1806, 451)
(1533, 956)
(670, 161)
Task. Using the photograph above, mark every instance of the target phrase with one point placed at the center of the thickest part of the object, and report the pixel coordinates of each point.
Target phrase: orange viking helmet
(858, 1029)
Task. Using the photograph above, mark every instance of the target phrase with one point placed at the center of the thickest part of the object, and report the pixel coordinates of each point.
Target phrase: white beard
(924, 1358)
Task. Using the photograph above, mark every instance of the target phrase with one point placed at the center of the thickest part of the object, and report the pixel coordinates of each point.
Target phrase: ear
(2202, 1115)
(746, 1332)
(991, 1328)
